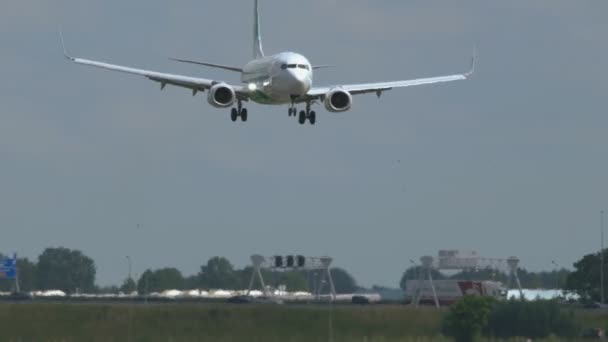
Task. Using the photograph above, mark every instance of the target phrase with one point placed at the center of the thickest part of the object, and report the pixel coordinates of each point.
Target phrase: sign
(8, 269)
(458, 260)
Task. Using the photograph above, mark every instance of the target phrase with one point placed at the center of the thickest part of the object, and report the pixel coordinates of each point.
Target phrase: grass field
(217, 322)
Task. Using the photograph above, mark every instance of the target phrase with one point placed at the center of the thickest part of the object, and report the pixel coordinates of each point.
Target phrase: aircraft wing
(380, 87)
(212, 65)
(193, 83)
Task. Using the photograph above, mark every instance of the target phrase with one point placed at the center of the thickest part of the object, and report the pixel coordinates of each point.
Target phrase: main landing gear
(241, 112)
(308, 114)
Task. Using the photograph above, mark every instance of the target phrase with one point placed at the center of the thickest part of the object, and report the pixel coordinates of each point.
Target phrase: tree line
(55, 269)
(72, 271)
(584, 280)
(219, 273)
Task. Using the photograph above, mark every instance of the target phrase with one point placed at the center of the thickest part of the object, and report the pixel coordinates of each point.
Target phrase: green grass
(222, 323)
(54, 322)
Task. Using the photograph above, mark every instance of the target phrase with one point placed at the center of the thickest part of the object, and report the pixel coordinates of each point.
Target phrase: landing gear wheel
(244, 115)
(234, 114)
(292, 112)
(302, 118)
(312, 117)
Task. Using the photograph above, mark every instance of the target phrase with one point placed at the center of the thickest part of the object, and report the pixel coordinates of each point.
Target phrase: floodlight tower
(513, 263)
(426, 272)
(325, 265)
(257, 261)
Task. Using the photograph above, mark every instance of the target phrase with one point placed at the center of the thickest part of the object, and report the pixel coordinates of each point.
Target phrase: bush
(538, 319)
(467, 318)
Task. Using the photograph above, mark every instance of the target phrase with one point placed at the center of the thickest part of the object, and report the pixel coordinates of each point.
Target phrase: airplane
(282, 79)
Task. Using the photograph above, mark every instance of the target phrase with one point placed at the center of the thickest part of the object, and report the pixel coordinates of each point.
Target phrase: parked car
(361, 300)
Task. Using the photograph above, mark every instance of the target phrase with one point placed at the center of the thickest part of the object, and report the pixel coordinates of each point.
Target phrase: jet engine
(338, 100)
(221, 96)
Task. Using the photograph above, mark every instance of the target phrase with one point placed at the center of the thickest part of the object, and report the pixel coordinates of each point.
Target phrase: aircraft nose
(301, 82)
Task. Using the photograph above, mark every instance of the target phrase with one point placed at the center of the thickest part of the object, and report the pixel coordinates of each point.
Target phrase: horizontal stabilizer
(218, 66)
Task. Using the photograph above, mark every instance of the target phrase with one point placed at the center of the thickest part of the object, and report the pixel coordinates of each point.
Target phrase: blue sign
(8, 269)
(7, 263)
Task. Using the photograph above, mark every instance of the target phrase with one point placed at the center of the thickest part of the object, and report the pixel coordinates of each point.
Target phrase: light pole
(129, 265)
(557, 268)
(130, 281)
(147, 274)
(602, 257)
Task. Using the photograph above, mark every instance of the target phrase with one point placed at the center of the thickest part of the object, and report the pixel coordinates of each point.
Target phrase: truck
(450, 291)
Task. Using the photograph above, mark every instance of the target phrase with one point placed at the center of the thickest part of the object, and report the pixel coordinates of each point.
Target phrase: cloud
(35, 16)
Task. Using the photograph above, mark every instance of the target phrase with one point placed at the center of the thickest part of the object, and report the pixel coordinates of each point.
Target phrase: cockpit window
(295, 66)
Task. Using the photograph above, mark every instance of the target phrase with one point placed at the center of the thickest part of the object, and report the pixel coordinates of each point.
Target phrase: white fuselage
(278, 79)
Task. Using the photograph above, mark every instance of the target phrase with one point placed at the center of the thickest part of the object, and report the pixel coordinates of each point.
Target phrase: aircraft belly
(268, 96)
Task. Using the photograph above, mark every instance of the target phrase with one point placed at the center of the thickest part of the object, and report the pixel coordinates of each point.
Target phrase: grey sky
(512, 162)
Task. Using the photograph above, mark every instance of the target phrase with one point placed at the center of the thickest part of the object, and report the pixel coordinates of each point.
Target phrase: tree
(538, 320)
(543, 280)
(413, 273)
(243, 278)
(160, 280)
(66, 270)
(585, 280)
(128, 286)
(482, 274)
(467, 318)
(26, 272)
(191, 282)
(343, 281)
(294, 281)
(219, 274)
(529, 280)
(109, 289)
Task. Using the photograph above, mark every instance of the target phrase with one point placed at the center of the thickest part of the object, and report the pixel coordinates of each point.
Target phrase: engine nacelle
(338, 100)
(221, 96)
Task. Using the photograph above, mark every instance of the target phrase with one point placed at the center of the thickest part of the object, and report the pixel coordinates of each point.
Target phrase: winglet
(65, 51)
(471, 71)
